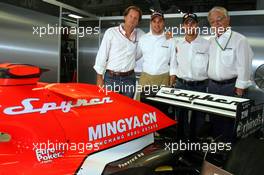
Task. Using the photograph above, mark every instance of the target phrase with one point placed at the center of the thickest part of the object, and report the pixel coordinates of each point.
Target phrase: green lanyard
(223, 49)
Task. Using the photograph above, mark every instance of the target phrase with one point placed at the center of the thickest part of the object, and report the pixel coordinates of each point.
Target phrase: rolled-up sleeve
(103, 53)
(244, 64)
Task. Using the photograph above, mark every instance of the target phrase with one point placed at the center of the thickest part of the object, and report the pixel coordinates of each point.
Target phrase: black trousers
(222, 127)
(190, 130)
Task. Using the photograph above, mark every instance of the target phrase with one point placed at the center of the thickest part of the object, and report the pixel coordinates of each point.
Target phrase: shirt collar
(123, 32)
(157, 37)
(162, 34)
(223, 39)
(196, 40)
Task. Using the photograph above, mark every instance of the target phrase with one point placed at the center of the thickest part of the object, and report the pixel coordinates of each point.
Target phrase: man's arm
(139, 54)
(244, 57)
(173, 63)
(172, 80)
(139, 51)
(99, 80)
(102, 57)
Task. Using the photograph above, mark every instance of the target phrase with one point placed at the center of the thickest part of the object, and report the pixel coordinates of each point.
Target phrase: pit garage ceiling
(116, 7)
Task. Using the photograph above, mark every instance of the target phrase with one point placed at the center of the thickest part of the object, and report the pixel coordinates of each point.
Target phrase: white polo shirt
(158, 54)
(230, 57)
(192, 59)
(117, 52)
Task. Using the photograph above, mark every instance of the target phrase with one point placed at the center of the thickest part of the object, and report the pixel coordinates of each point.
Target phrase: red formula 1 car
(71, 128)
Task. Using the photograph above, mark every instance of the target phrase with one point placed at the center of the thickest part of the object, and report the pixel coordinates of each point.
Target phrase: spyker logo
(192, 97)
(64, 106)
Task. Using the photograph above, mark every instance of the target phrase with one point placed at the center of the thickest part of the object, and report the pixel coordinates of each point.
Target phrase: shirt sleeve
(140, 33)
(103, 53)
(139, 50)
(173, 61)
(244, 64)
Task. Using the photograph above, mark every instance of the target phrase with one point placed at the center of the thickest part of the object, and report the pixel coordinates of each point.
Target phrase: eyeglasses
(219, 19)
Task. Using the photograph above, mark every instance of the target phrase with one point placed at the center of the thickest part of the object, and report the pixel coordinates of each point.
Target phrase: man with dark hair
(158, 55)
(117, 54)
(191, 71)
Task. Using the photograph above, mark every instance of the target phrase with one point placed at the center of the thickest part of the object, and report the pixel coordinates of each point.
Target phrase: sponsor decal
(110, 132)
(245, 128)
(244, 114)
(249, 119)
(245, 110)
(64, 106)
(47, 155)
(130, 161)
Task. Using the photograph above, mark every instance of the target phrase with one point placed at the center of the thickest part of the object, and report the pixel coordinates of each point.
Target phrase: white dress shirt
(117, 52)
(192, 59)
(158, 54)
(232, 59)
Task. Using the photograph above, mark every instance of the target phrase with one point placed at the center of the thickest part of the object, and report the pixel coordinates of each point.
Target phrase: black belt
(121, 74)
(191, 83)
(233, 80)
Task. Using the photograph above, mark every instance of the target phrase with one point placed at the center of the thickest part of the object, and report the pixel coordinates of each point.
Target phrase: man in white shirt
(158, 55)
(191, 71)
(117, 54)
(230, 64)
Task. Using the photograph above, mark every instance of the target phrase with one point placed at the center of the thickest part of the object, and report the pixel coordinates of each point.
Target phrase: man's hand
(168, 35)
(172, 80)
(99, 80)
(240, 92)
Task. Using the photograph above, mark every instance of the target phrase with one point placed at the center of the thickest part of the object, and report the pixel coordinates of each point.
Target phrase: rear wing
(248, 117)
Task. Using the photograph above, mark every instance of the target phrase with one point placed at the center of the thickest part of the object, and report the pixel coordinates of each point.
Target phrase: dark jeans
(185, 129)
(222, 126)
(124, 85)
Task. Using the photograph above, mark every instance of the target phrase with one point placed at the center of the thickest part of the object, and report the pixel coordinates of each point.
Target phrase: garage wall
(19, 45)
(88, 47)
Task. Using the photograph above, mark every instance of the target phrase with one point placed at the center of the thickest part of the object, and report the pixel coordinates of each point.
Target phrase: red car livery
(64, 128)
